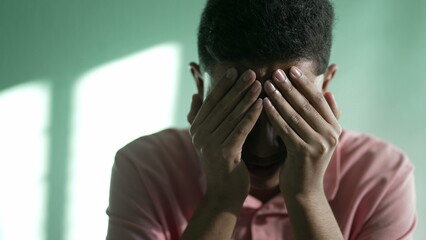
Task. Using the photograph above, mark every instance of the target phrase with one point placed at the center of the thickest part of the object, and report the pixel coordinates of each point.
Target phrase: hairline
(206, 68)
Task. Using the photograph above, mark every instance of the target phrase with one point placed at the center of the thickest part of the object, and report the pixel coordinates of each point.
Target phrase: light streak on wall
(24, 122)
(114, 104)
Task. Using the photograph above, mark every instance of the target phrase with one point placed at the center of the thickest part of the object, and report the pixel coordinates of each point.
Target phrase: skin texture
(264, 129)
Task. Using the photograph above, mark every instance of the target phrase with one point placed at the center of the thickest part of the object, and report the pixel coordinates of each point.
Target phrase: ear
(328, 76)
(198, 77)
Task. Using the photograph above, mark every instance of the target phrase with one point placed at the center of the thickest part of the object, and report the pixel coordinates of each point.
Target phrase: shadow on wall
(60, 40)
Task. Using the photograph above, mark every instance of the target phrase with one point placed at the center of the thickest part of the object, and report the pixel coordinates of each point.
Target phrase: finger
(229, 123)
(332, 103)
(298, 102)
(219, 90)
(229, 101)
(313, 94)
(288, 113)
(196, 103)
(239, 134)
(287, 134)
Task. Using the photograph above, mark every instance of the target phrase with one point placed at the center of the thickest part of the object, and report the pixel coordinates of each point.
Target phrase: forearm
(218, 134)
(312, 218)
(213, 219)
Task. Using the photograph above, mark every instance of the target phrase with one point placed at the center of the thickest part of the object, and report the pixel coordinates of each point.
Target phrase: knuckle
(229, 154)
(338, 113)
(223, 83)
(239, 86)
(241, 131)
(190, 117)
(333, 136)
(275, 91)
(252, 115)
(208, 101)
(289, 89)
(295, 119)
(233, 118)
(333, 140)
(319, 97)
(204, 150)
(304, 147)
(225, 152)
(322, 148)
(276, 114)
(196, 142)
(249, 98)
(222, 106)
(318, 117)
(339, 130)
(305, 81)
(307, 107)
(285, 129)
(192, 131)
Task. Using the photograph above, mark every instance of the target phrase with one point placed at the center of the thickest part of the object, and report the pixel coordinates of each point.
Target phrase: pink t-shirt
(157, 183)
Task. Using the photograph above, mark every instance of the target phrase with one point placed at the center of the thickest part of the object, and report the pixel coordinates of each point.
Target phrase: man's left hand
(306, 120)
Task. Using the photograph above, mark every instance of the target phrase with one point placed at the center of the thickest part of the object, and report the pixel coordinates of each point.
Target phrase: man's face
(263, 151)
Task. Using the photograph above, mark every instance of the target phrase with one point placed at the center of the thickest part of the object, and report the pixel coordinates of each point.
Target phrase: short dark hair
(266, 31)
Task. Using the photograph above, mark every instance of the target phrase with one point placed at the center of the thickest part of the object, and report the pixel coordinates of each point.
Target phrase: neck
(264, 195)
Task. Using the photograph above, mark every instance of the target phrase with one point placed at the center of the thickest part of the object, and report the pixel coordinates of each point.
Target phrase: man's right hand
(219, 127)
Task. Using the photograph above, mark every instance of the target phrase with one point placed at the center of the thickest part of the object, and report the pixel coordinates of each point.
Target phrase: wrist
(293, 185)
(213, 219)
(312, 217)
(303, 194)
(309, 198)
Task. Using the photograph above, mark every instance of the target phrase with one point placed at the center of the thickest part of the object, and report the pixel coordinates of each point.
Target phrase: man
(265, 156)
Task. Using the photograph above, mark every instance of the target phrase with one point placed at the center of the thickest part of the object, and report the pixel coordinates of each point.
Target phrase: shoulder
(168, 143)
(371, 156)
(154, 185)
(161, 157)
(167, 139)
(376, 189)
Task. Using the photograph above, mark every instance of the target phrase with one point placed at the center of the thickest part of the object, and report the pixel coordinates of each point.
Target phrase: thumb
(332, 103)
(196, 103)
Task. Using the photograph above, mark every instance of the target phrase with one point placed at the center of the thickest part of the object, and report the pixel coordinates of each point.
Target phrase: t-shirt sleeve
(131, 212)
(395, 216)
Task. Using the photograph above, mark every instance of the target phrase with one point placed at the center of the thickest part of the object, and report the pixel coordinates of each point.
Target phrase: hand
(305, 119)
(219, 127)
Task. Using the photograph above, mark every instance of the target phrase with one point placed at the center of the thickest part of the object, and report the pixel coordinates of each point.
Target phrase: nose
(263, 141)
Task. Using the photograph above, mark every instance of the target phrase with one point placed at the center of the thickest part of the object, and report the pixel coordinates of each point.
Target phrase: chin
(264, 177)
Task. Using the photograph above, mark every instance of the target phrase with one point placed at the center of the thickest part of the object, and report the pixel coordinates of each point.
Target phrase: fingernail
(247, 76)
(258, 103)
(231, 73)
(332, 96)
(296, 72)
(270, 87)
(255, 87)
(267, 102)
(280, 76)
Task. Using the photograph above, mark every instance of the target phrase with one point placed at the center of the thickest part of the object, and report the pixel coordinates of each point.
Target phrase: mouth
(263, 166)
(263, 162)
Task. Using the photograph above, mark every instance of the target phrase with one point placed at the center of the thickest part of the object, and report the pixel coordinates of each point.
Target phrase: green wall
(381, 86)
(380, 47)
